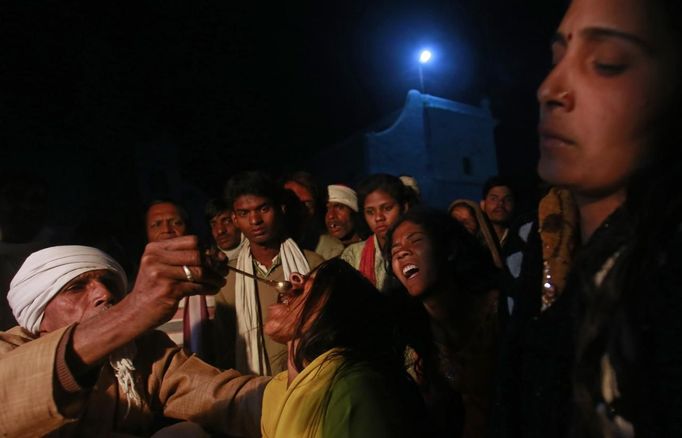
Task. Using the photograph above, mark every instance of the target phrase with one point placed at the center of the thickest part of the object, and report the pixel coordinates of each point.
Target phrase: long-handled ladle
(281, 286)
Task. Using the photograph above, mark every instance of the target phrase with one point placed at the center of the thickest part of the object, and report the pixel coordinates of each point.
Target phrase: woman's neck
(381, 242)
(595, 210)
(292, 371)
(457, 314)
(437, 301)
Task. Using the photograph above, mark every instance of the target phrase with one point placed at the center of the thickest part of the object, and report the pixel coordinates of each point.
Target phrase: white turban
(45, 272)
(343, 195)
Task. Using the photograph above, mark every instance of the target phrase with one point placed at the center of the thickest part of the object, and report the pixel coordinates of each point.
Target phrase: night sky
(89, 89)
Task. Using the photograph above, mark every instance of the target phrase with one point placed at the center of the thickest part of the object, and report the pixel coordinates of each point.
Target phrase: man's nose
(255, 218)
(99, 293)
(166, 227)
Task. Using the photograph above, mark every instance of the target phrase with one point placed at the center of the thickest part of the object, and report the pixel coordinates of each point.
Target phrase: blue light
(425, 56)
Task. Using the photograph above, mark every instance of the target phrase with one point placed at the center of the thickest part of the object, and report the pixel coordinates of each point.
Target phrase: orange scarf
(367, 260)
(558, 216)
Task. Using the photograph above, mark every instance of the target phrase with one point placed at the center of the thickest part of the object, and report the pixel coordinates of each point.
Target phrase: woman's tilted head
(333, 307)
(427, 250)
(606, 107)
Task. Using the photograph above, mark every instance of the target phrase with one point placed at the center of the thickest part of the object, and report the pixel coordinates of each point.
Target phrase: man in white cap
(342, 214)
(84, 360)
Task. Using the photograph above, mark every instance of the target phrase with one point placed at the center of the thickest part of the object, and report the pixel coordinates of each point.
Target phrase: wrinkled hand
(216, 260)
(162, 282)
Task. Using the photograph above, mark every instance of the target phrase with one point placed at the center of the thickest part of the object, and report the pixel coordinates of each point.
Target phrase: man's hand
(161, 284)
(216, 260)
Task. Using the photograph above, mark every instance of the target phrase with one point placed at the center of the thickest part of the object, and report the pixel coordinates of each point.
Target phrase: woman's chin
(415, 291)
(274, 331)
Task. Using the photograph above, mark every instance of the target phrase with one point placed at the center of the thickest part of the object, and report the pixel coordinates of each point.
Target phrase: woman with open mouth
(451, 276)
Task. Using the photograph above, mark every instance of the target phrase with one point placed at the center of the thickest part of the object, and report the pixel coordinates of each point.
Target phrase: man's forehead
(96, 274)
(245, 202)
(500, 190)
(337, 204)
(163, 207)
(221, 215)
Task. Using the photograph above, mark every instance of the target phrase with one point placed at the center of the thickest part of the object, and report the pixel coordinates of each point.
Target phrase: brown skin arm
(161, 284)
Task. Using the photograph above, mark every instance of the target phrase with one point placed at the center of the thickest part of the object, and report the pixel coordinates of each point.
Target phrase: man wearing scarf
(269, 254)
(84, 360)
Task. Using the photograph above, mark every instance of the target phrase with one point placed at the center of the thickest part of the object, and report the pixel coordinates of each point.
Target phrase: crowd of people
(361, 312)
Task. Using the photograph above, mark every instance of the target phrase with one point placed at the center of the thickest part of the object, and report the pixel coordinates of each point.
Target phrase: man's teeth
(410, 270)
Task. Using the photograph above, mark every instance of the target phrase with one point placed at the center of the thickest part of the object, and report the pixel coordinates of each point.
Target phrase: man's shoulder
(228, 289)
(352, 252)
(357, 246)
(13, 338)
(312, 258)
(329, 246)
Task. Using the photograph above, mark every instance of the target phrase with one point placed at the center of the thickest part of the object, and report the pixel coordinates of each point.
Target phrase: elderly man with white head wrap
(84, 360)
(342, 218)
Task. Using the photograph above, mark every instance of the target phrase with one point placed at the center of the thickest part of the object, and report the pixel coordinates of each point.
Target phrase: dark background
(94, 96)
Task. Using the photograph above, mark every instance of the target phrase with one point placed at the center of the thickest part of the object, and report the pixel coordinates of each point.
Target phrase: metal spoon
(280, 286)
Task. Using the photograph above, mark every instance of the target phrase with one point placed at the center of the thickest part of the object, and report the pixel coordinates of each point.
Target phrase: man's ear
(482, 204)
(284, 208)
(406, 207)
(233, 216)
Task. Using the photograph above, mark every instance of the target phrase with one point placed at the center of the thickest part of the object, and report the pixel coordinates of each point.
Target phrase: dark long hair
(389, 184)
(461, 257)
(350, 314)
(353, 316)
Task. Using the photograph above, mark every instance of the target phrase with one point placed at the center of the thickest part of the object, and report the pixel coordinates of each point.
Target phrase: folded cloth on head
(45, 272)
(343, 195)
